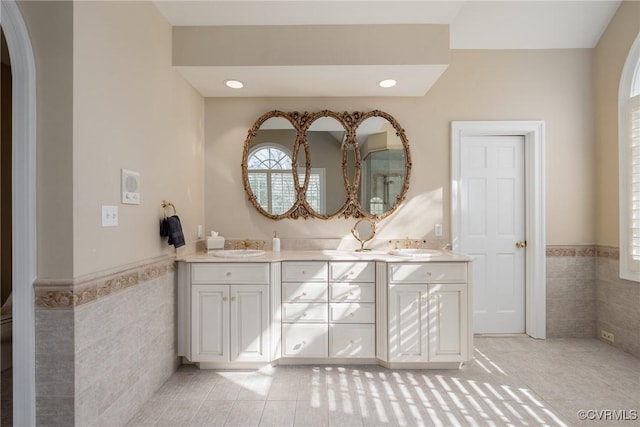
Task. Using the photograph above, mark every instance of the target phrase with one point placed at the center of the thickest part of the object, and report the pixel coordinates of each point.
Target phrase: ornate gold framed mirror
(326, 165)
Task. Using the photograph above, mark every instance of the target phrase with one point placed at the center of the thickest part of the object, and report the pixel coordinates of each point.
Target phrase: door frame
(535, 270)
(24, 211)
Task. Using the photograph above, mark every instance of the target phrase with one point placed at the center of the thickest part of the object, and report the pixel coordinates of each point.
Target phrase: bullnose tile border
(598, 251)
(68, 294)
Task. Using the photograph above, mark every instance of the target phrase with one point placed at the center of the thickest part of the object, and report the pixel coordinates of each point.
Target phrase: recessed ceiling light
(234, 84)
(387, 83)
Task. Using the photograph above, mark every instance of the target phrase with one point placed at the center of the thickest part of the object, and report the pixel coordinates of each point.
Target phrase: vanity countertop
(328, 255)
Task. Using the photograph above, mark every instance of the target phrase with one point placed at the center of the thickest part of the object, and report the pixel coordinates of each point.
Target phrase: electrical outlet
(200, 232)
(607, 336)
(437, 230)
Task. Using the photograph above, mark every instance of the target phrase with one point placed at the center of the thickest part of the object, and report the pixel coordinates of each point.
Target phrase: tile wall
(618, 302)
(104, 346)
(585, 295)
(571, 291)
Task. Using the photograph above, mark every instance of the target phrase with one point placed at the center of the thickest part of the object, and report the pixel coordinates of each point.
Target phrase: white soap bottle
(275, 246)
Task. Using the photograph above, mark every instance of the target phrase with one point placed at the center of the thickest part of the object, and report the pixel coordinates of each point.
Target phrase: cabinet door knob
(233, 298)
(225, 298)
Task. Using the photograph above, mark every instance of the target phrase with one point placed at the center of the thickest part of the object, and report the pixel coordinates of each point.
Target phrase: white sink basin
(414, 253)
(238, 253)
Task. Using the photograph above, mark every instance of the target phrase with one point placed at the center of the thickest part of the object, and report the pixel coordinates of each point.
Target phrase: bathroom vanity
(325, 307)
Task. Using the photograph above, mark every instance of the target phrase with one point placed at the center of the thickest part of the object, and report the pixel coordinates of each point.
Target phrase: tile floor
(514, 381)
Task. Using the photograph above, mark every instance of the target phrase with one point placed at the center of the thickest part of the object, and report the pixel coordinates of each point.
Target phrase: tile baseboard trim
(598, 251)
(68, 294)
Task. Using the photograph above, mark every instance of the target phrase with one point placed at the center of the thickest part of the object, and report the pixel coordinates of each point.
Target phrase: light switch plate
(437, 230)
(109, 216)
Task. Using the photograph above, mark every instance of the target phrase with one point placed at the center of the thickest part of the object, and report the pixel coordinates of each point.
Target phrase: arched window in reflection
(271, 179)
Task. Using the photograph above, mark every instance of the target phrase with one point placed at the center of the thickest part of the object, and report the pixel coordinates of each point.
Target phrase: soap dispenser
(275, 246)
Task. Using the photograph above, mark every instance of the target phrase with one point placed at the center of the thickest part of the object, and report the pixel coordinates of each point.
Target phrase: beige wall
(50, 27)
(609, 57)
(132, 111)
(553, 85)
(311, 45)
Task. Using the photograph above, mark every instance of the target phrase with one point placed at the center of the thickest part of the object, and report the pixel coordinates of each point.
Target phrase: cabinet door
(408, 332)
(249, 323)
(210, 323)
(448, 323)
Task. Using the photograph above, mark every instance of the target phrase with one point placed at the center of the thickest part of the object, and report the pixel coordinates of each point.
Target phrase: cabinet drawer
(231, 273)
(352, 341)
(352, 271)
(305, 312)
(352, 312)
(304, 271)
(361, 292)
(431, 272)
(298, 292)
(305, 340)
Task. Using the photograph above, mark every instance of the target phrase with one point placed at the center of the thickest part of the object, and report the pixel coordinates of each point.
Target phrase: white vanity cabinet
(328, 309)
(428, 309)
(229, 313)
(313, 308)
(305, 312)
(352, 309)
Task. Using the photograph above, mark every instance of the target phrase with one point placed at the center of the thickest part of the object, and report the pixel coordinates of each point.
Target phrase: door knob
(521, 245)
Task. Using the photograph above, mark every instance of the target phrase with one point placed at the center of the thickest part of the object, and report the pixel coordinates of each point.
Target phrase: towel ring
(165, 205)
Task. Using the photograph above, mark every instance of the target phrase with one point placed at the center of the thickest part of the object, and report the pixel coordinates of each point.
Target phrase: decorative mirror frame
(301, 123)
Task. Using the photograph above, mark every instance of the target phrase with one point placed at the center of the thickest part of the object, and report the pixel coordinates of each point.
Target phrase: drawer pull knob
(351, 314)
(304, 314)
(350, 293)
(304, 272)
(428, 274)
(228, 273)
(304, 294)
(352, 342)
(304, 343)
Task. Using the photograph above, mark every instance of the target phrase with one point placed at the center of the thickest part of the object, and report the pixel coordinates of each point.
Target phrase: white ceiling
(475, 24)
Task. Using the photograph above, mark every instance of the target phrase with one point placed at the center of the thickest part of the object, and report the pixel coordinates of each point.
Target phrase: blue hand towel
(174, 228)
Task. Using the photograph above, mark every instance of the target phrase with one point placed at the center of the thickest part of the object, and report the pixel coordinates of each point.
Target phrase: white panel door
(249, 323)
(492, 223)
(210, 321)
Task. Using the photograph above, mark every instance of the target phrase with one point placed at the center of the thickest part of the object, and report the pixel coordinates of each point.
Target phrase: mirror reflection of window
(376, 206)
(316, 191)
(271, 180)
